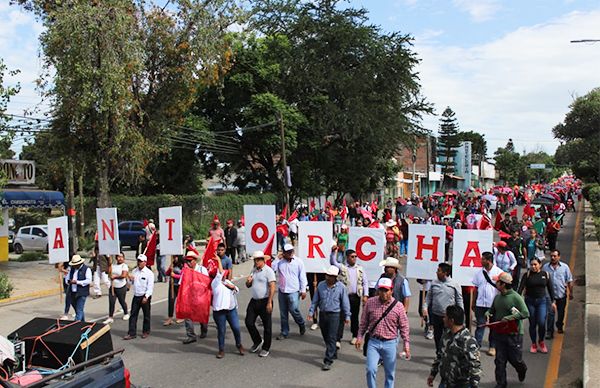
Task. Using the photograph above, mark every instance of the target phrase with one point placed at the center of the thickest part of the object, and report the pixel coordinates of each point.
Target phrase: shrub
(586, 190)
(6, 286)
(32, 256)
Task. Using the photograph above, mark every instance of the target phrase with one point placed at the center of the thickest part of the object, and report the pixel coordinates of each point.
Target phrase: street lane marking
(557, 344)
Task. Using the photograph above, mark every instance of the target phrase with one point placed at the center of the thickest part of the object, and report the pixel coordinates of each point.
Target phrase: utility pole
(73, 243)
(81, 206)
(284, 160)
(414, 167)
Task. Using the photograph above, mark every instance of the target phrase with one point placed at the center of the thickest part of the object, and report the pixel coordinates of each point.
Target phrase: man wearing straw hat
(261, 281)
(79, 279)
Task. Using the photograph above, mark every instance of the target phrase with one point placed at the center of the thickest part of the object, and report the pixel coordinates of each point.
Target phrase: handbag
(368, 335)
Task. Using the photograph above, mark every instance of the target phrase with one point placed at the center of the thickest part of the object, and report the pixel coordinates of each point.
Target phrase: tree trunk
(102, 184)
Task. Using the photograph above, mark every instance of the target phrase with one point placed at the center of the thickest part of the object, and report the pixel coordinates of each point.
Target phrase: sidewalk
(591, 372)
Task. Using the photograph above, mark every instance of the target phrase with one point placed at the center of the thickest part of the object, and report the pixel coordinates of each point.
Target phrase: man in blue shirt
(332, 299)
(291, 284)
(562, 284)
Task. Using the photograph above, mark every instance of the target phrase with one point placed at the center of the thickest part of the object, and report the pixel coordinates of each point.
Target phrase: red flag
(150, 250)
(374, 206)
(344, 211)
(462, 216)
(311, 206)
(194, 297)
(209, 253)
(328, 205)
(283, 229)
(503, 235)
(145, 222)
(284, 211)
(498, 222)
(315, 218)
(293, 216)
(448, 210)
(374, 224)
(243, 220)
(484, 223)
(269, 250)
(513, 213)
(366, 214)
(530, 211)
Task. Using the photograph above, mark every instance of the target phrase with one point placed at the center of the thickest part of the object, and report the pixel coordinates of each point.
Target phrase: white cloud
(518, 86)
(479, 10)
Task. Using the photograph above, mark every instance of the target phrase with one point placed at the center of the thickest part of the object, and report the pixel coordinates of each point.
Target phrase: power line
(192, 142)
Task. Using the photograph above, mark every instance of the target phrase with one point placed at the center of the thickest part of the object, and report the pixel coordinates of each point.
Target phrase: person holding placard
(444, 292)
(79, 279)
(118, 289)
(332, 299)
(143, 287)
(292, 287)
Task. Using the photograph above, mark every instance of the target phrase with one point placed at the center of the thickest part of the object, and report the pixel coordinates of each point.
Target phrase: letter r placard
(314, 244)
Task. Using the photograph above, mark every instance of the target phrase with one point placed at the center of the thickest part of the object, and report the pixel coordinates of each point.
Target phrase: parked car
(11, 240)
(129, 232)
(31, 238)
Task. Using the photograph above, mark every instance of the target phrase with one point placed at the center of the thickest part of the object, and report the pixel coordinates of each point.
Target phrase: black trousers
(329, 324)
(561, 304)
(437, 321)
(508, 348)
(552, 240)
(258, 308)
(231, 252)
(355, 301)
(113, 295)
(312, 285)
(172, 298)
(136, 305)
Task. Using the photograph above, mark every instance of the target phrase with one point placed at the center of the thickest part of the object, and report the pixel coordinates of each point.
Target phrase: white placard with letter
(369, 244)
(426, 248)
(468, 245)
(170, 225)
(58, 239)
(108, 231)
(314, 245)
(260, 226)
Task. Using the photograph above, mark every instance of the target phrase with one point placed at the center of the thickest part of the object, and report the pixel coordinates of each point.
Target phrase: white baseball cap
(142, 257)
(385, 283)
(288, 247)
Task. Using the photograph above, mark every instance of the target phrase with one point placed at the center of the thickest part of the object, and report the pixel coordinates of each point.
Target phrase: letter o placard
(259, 233)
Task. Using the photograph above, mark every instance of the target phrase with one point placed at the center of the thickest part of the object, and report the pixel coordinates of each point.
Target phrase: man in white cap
(143, 286)
(79, 279)
(383, 318)
(292, 286)
(261, 281)
(331, 298)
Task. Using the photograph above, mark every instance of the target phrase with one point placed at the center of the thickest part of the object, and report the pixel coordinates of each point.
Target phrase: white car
(31, 238)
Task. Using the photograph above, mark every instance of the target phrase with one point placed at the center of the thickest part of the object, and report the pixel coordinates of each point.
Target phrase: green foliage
(580, 131)
(587, 188)
(448, 141)
(31, 256)
(478, 145)
(6, 286)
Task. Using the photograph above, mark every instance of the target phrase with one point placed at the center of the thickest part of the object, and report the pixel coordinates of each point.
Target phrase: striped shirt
(396, 320)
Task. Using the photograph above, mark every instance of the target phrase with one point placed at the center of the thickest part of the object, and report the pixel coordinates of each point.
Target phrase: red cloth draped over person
(194, 296)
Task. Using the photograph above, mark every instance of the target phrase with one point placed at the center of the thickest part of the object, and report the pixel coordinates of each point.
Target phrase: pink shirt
(396, 320)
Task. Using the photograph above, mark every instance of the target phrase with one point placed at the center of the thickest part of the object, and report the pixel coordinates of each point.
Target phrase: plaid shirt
(396, 320)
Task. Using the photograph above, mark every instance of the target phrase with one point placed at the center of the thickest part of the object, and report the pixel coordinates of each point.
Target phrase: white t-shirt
(117, 269)
(223, 298)
(485, 291)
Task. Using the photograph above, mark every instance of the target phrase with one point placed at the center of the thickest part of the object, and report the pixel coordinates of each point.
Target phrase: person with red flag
(225, 310)
(191, 261)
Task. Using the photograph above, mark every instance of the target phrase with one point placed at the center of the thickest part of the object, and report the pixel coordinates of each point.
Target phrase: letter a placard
(426, 247)
(58, 240)
(170, 224)
(468, 245)
(369, 244)
(314, 244)
(260, 226)
(108, 231)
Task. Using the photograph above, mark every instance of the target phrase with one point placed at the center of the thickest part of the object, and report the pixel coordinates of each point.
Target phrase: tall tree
(6, 92)
(509, 165)
(478, 145)
(448, 140)
(124, 74)
(580, 131)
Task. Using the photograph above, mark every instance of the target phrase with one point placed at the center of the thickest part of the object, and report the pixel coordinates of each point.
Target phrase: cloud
(479, 10)
(518, 86)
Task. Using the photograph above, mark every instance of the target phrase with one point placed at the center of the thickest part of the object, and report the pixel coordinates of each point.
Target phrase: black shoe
(281, 337)
(302, 329)
(203, 334)
(189, 340)
(522, 374)
(560, 331)
(326, 366)
(255, 348)
(549, 336)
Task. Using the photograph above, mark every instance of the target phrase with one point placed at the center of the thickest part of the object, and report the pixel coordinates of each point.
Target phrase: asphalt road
(163, 361)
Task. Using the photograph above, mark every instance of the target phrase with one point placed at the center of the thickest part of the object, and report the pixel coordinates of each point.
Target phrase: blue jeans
(386, 351)
(480, 331)
(288, 303)
(404, 247)
(221, 317)
(537, 318)
(78, 305)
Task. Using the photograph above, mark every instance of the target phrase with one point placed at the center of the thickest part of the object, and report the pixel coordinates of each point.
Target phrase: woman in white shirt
(224, 304)
(118, 275)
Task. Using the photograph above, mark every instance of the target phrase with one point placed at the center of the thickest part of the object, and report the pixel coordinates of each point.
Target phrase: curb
(28, 296)
(591, 352)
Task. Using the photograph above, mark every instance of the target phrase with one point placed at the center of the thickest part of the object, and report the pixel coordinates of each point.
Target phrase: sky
(506, 68)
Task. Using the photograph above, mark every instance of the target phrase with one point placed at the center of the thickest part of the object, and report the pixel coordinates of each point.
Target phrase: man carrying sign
(292, 286)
